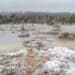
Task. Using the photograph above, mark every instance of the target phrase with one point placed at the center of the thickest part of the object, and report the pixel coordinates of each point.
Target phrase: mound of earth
(66, 35)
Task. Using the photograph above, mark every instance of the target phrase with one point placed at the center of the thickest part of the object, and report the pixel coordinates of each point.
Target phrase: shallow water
(34, 36)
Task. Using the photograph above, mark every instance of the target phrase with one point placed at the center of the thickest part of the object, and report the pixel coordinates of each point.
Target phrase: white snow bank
(23, 52)
(52, 64)
(62, 62)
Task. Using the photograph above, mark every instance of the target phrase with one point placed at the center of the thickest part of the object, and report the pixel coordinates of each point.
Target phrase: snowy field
(53, 61)
(40, 36)
(35, 49)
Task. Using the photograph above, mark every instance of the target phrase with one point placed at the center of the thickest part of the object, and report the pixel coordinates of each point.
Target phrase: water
(18, 36)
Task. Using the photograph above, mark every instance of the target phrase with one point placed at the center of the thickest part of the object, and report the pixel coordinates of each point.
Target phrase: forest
(33, 17)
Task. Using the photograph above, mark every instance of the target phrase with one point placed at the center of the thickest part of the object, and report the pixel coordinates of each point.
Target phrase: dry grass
(29, 73)
(31, 61)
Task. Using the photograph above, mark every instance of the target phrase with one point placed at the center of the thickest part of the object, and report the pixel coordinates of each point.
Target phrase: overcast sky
(38, 5)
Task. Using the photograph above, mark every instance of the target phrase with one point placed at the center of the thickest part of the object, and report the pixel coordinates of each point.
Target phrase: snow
(52, 64)
(61, 61)
(23, 52)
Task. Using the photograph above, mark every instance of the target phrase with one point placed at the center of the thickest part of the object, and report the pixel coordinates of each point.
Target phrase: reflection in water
(33, 36)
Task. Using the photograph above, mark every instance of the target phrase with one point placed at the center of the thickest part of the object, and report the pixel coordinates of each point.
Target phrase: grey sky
(38, 5)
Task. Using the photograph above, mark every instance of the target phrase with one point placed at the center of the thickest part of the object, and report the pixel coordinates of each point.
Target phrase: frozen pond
(34, 36)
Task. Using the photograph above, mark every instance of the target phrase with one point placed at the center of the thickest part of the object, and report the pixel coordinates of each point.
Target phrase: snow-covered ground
(32, 35)
(36, 51)
(53, 61)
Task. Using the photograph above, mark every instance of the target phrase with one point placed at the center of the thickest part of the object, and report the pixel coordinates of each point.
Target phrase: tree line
(48, 19)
